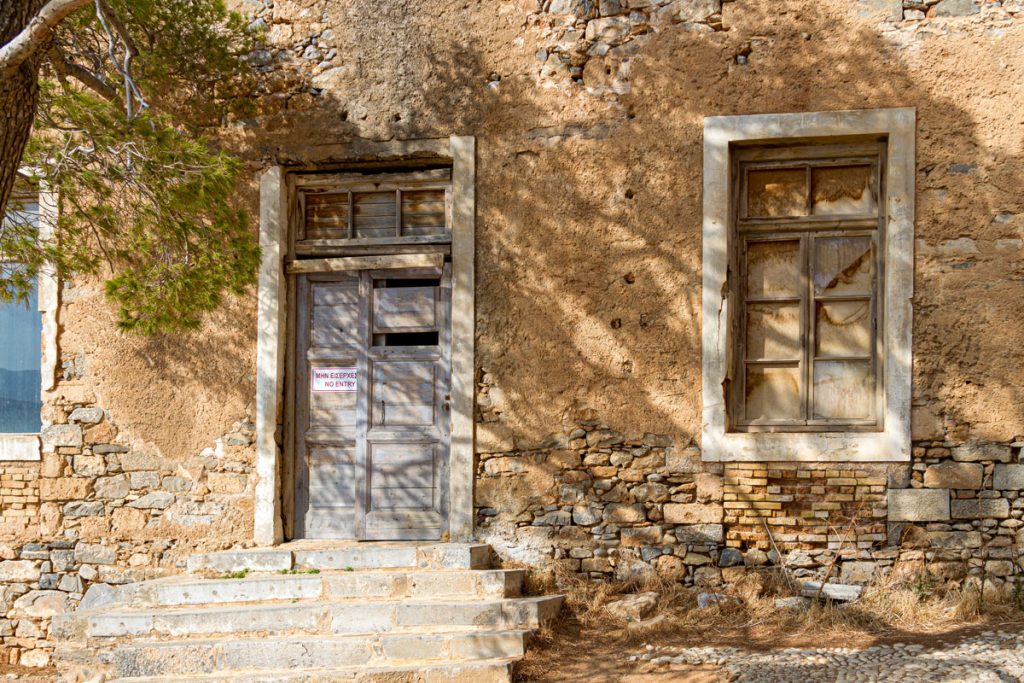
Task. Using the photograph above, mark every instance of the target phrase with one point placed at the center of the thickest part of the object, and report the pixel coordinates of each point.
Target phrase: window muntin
(807, 342)
(21, 330)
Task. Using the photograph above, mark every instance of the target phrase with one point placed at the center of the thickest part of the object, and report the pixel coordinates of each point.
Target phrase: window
(21, 331)
(806, 233)
(28, 338)
(807, 284)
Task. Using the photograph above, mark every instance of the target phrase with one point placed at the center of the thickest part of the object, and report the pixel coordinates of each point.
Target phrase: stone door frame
(272, 324)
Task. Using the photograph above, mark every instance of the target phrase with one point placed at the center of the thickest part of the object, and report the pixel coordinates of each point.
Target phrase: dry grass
(888, 610)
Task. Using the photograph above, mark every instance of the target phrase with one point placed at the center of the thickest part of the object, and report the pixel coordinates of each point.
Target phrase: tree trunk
(19, 95)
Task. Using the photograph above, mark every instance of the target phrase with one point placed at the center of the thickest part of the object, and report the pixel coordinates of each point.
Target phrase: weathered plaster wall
(588, 121)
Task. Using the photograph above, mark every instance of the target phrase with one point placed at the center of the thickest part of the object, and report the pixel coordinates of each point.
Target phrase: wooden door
(372, 417)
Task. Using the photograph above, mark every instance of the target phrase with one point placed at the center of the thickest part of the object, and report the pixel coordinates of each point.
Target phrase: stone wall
(588, 118)
(100, 509)
(607, 506)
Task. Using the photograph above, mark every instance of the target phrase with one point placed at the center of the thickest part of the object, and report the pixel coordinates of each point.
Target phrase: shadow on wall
(589, 207)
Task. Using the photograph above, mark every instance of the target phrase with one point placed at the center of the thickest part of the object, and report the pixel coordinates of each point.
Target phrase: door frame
(273, 499)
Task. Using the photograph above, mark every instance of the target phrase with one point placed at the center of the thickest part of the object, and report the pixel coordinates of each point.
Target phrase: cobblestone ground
(994, 657)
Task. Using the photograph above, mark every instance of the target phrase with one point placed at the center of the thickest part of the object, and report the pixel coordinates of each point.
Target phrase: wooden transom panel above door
(372, 377)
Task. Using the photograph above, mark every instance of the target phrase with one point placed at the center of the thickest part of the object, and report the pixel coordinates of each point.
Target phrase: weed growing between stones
(240, 574)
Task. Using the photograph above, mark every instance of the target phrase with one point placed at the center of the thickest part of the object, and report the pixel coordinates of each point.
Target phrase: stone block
(63, 560)
(137, 462)
(176, 484)
(93, 553)
(981, 508)
(701, 534)
(41, 603)
(730, 557)
(651, 493)
(86, 415)
(955, 8)
(709, 488)
(585, 515)
(683, 460)
(124, 520)
(497, 466)
(634, 607)
(77, 509)
(224, 482)
(693, 513)
(624, 514)
(693, 10)
(611, 30)
(564, 459)
(89, 465)
(1008, 477)
(112, 488)
(918, 505)
(64, 488)
(954, 475)
(144, 480)
(19, 571)
(999, 568)
(954, 540)
(641, 536)
(596, 564)
(108, 449)
(154, 500)
(857, 572)
(976, 452)
(62, 436)
(889, 9)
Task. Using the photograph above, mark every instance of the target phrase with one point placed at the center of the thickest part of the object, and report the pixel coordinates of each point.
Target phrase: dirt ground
(572, 654)
(26, 675)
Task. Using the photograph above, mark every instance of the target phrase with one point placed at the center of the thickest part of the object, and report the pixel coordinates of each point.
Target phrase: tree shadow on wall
(589, 217)
(589, 208)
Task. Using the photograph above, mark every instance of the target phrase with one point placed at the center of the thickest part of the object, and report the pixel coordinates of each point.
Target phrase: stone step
(485, 671)
(386, 584)
(213, 656)
(368, 616)
(345, 557)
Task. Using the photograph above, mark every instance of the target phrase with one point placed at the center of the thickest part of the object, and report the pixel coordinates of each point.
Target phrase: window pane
(842, 265)
(773, 331)
(776, 193)
(843, 389)
(773, 269)
(843, 328)
(20, 357)
(843, 190)
(773, 393)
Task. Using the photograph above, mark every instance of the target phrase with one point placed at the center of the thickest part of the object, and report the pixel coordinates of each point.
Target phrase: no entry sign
(333, 379)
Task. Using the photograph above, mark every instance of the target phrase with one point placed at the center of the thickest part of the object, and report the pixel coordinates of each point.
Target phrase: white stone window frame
(28, 447)
(721, 134)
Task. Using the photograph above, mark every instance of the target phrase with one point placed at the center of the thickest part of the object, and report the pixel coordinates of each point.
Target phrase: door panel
(404, 309)
(327, 316)
(372, 416)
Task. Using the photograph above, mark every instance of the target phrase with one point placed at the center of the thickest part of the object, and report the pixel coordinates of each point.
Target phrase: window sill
(20, 447)
(888, 446)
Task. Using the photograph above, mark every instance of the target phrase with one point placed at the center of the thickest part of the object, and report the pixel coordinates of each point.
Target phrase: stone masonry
(587, 115)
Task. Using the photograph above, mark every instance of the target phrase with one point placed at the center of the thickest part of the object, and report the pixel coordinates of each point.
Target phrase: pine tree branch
(94, 82)
(35, 35)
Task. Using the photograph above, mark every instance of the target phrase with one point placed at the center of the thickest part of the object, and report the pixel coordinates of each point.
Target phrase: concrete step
(181, 591)
(213, 656)
(367, 616)
(485, 671)
(352, 556)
